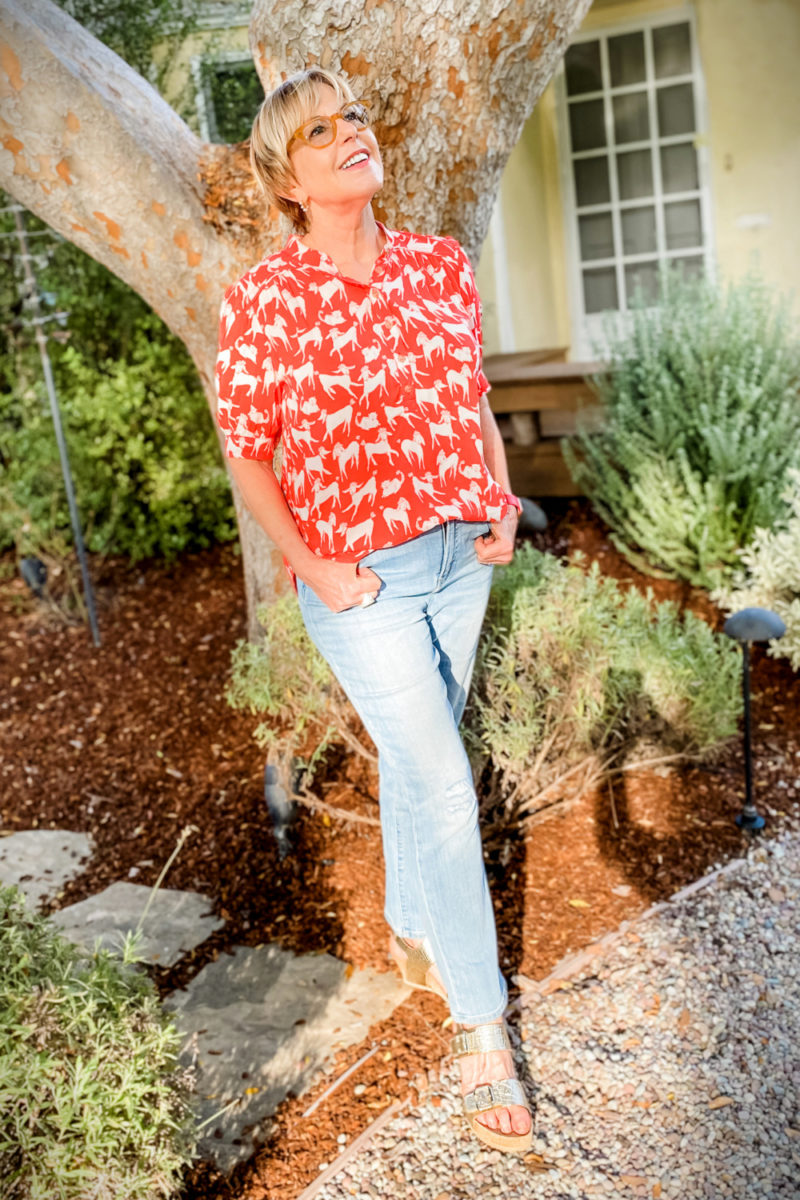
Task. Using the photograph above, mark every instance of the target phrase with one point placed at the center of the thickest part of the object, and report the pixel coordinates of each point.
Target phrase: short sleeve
(248, 406)
(469, 291)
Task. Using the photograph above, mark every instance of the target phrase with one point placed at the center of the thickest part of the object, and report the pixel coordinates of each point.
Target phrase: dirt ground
(133, 742)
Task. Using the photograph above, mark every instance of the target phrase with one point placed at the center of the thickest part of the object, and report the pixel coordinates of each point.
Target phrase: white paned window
(631, 126)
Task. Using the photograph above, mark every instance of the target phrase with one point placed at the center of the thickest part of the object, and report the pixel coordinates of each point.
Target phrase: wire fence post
(32, 298)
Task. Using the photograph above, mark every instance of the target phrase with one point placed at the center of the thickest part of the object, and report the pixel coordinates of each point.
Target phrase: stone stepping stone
(40, 861)
(176, 921)
(264, 1022)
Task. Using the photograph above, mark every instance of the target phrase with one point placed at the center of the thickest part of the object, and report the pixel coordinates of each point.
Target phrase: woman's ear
(292, 191)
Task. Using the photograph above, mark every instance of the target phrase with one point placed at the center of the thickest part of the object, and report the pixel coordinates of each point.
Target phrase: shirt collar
(307, 256)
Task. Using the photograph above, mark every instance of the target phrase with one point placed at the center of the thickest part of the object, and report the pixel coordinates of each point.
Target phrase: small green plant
(702, 424)
(575, 675)
(92, 1101)
(769, 577)
(287, 679)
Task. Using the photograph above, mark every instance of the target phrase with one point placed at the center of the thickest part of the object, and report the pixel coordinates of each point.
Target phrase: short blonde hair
(282, 111)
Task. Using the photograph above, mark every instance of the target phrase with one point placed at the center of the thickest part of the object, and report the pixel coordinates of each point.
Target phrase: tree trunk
(105, 161)
(452, 83)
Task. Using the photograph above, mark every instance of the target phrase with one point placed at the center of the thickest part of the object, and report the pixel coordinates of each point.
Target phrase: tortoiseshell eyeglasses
(321, 131)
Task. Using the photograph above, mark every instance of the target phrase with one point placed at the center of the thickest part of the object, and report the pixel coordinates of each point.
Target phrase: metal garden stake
(751, 625)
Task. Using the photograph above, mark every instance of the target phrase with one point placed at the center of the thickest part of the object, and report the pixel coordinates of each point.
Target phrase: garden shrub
(286, 678)
(147, 469)
(92, 1103)
(146, 462)
(572, 674)
(575, 673)
(702, 424)
(769, 577)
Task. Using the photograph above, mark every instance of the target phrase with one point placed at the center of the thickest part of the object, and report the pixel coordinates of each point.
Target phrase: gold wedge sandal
(414, 964)
(500, 1093)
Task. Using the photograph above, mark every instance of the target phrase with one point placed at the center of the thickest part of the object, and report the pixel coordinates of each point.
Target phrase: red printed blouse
(373, 389)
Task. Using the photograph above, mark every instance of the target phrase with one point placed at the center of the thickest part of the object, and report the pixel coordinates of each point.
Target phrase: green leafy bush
(147, 469)
(575, 676)
(92, 1102)
(702, 423)
(769, 577)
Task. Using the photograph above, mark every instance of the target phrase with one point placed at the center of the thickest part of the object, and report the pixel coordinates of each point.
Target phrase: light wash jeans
(406, 663)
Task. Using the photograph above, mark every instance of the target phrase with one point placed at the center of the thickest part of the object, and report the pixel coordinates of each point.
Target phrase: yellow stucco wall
(749, 52)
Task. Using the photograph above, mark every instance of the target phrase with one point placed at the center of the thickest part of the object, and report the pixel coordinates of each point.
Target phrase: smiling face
(346, 174)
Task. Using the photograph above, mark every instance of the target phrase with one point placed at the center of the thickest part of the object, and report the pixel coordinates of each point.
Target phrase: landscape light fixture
(751, 625)
(279, 807)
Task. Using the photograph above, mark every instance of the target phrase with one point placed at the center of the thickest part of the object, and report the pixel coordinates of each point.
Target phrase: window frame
(586, 328)
(206, 117)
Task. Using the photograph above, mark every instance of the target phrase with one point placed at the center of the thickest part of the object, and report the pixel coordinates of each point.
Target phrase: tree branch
(90, 146)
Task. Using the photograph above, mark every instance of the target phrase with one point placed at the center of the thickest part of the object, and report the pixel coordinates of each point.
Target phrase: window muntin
(632, 123)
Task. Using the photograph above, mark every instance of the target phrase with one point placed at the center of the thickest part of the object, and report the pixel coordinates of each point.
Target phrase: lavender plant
(576, 677)
(92, 1101)
(768, 576)
(702, 424)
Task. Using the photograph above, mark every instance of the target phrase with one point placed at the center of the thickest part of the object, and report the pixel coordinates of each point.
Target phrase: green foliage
(702, 423)
(234, 93)
(769, 577)
(574, 673)
(92, 1102)
(146, 464)
(287, 679)
(134, 31)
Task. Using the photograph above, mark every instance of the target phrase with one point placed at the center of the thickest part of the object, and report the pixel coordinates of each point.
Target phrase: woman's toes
(520, 1119)
(504, 1120)
(491, 1120)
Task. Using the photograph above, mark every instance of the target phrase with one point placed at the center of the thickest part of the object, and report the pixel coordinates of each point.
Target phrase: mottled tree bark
(452, 82)
(92, 149)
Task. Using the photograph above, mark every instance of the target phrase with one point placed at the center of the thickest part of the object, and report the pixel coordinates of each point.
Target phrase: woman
(360, 348)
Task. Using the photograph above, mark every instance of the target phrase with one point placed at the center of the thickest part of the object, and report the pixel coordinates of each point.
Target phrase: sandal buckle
(483, 1097)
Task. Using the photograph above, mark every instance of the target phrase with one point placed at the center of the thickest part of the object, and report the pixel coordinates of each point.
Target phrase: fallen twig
(337, 1082)
(340, 814)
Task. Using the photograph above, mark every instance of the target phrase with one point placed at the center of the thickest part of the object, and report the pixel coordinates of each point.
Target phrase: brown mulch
(133, 742)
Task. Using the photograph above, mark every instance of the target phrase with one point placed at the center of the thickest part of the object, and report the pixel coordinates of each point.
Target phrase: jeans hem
(400, 931)
(482, 1018)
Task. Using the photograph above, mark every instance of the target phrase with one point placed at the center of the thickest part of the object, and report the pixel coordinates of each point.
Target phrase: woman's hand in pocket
(498, 545)
(341, 585)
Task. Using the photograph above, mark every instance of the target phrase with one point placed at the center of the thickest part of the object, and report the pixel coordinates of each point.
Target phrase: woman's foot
(417, 969)
(488, 1067)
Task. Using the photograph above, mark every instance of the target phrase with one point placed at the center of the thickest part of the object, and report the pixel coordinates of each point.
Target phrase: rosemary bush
(92, 1103)
(575, 675)
(702, 424)
(769, 577)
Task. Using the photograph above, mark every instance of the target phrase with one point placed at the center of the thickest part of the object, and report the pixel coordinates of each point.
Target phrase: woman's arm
(498, 546)
(494, 453)
(339, 585)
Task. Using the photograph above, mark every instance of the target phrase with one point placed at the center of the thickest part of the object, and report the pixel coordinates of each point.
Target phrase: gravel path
(669, 1066)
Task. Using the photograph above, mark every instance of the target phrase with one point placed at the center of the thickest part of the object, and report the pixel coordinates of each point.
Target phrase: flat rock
(40, 861)
(176, 921)
(263, 1022)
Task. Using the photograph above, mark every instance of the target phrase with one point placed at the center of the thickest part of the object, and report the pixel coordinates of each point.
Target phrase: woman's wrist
(513, 503)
